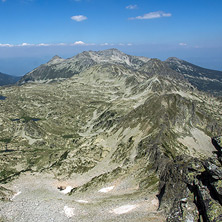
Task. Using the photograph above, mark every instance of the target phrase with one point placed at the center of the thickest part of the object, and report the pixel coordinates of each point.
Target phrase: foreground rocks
(190, 189)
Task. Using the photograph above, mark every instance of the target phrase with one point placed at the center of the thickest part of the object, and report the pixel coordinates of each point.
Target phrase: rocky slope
(58, 68)
(204, 79)
(132, 130)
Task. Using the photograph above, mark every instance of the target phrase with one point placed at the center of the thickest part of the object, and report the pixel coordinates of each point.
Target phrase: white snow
(67, 190)
(69, 212)
(16, 195)
(123, 209)
(82, 201)
(106, 189)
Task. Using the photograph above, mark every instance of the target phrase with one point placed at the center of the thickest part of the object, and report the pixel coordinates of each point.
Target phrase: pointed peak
(55, 57)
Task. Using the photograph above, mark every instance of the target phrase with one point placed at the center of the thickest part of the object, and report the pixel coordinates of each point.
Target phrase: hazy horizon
(19, 66)
(36, 30)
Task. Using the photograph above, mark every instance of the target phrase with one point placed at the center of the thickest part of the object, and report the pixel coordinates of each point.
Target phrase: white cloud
(43, 44)
(152, 15)
(3, 0)
(182, 44)
(6, 45)
(25, 44)
(131, 7)
(104, 44)
(78, 18)
(62, 44)
(79, 43)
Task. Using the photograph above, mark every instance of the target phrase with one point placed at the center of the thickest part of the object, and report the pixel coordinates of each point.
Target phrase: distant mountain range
(8, 79)
(58, 68)
(204, 79)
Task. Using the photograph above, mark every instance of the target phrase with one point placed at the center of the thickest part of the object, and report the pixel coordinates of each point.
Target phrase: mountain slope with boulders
(127, 138)
(58, 69)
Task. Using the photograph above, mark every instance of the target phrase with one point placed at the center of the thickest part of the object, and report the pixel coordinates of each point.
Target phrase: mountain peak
(173, 59)
(55, 57)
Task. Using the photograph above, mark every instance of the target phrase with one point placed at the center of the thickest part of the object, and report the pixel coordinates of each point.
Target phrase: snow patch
(69, 212)
(16, 195)
(106, 189)
(67, 190)
(123, 209)
(82, 201)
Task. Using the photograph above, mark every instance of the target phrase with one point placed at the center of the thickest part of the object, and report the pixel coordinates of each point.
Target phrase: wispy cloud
(43, 44)
(131, 7)
(79, 18)
(76, 43)
(3, 0)
(25, 44)
(6, 45)
(183, 44)
(152, 15)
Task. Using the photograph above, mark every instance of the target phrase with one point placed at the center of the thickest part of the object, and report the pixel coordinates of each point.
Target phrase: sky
(33, 31)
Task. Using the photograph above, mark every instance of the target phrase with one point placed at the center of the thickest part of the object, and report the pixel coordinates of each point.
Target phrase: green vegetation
(151, 180)
(5, 140)
(26, 119)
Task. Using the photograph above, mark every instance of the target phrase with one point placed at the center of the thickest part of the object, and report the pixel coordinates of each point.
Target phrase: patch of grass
(68, 136)
(26, 119)
(149, 181)
(6, 173)
(168, 151)
(6, 140)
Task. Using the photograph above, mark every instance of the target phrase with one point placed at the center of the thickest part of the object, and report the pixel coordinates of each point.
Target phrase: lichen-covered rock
(190, 190)
(217, 141)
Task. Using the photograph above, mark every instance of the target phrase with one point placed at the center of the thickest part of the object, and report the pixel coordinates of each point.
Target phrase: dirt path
(38, 199)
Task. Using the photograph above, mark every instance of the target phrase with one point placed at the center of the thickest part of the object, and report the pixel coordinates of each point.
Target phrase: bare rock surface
(37, 198)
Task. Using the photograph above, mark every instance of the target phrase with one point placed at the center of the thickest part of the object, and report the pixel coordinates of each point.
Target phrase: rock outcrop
(190, 189)
(5, 194)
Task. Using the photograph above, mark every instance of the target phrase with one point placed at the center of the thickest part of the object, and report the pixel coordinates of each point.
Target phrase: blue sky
(32, 31)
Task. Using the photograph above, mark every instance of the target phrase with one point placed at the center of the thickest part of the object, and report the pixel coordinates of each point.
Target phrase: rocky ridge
(204, 79)
(58, 68)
